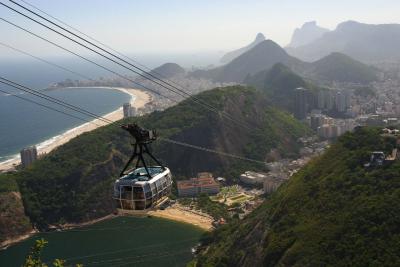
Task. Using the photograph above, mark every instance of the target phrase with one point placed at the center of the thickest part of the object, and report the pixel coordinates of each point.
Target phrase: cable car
(143, 187)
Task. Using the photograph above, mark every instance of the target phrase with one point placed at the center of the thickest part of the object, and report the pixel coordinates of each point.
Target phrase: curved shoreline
(174, 213)
(139, 99)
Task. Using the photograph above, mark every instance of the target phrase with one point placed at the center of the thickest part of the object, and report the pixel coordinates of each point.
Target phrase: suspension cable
(47, 107)
(56, 101)
(208, 150)
(88, 60)
(157, 81)
(52, 99)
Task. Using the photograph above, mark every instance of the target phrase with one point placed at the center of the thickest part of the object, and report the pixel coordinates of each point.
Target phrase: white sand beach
(139, 99)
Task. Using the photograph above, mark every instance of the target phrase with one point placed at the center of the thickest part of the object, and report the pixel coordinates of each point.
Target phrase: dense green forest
(342, 68)
(74, 182)
(334, 212)
(279, 84)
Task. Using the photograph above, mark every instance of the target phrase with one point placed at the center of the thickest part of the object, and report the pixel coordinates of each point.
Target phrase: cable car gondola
(143, 187)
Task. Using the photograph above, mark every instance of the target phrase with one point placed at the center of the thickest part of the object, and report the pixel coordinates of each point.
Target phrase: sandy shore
(139, 99)
(5, 244)
(178, 213)
(175, 212)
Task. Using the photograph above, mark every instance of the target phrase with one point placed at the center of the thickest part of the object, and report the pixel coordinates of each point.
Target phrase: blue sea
(23, 123)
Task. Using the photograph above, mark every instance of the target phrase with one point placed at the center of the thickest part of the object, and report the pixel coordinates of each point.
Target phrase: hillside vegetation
(74, 182)
(13, 221)
(279, 83)
(334, 212)
(341, 68)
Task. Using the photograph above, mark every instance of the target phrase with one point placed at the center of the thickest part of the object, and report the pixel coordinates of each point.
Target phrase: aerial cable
(129, 249)
(52, 63)
(47, 107)
(151, 256)
(149, 259)
(83, 45)
(209, 150)
(99, 42)
(193, 98)
(88, 60)
(64, 104)
(47, 62)
(98, 47)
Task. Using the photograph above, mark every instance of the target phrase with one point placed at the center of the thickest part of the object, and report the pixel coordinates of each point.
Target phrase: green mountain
(261, 57)
(279, 84)
(335, 67)
(334, 212)
(228, 57)
(168, 70)
(74, 182)
(341, 68)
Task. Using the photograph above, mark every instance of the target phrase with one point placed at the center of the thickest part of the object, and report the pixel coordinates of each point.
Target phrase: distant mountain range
(333, 212)
(364, 42)
(234, 54)
(334, 67)
(279, 84)
(261, 57)
(308, 33)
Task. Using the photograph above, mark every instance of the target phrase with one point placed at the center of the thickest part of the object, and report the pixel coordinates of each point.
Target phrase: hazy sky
(187, 25)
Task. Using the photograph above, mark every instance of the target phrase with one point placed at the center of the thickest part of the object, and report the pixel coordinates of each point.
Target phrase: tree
(34, 260)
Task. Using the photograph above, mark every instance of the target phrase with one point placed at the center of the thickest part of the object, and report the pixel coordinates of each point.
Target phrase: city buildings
(203, 183)
(301, 103)
(28, 156)
(332, 128)
(128, 110)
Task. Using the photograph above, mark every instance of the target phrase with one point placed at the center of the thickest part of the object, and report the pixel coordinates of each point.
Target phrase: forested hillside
(74, 182)
(334, 212)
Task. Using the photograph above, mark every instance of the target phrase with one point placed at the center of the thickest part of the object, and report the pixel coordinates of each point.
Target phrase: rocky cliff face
(13, 221)
(308, 33)
(228, 57)
(364, 42)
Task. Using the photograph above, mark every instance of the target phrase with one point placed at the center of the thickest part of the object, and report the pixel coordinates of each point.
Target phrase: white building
(128, 110)
(253, 178)
(28, 156)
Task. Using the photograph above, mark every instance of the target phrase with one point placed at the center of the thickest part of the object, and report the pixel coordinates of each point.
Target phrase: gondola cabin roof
(139, 176)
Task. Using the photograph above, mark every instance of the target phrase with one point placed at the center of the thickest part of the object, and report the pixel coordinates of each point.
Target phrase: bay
(122, 241)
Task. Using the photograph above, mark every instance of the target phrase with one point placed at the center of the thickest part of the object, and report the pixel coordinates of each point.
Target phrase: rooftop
(203, 180)
(140, 174)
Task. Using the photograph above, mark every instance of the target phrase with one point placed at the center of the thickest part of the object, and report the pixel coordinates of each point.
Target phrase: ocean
(23, 124)
(123, 241)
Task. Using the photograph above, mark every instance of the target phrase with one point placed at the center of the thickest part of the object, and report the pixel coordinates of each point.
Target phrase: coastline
(69, 226)
(183, 215)
(175, 213)
(139, 99)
